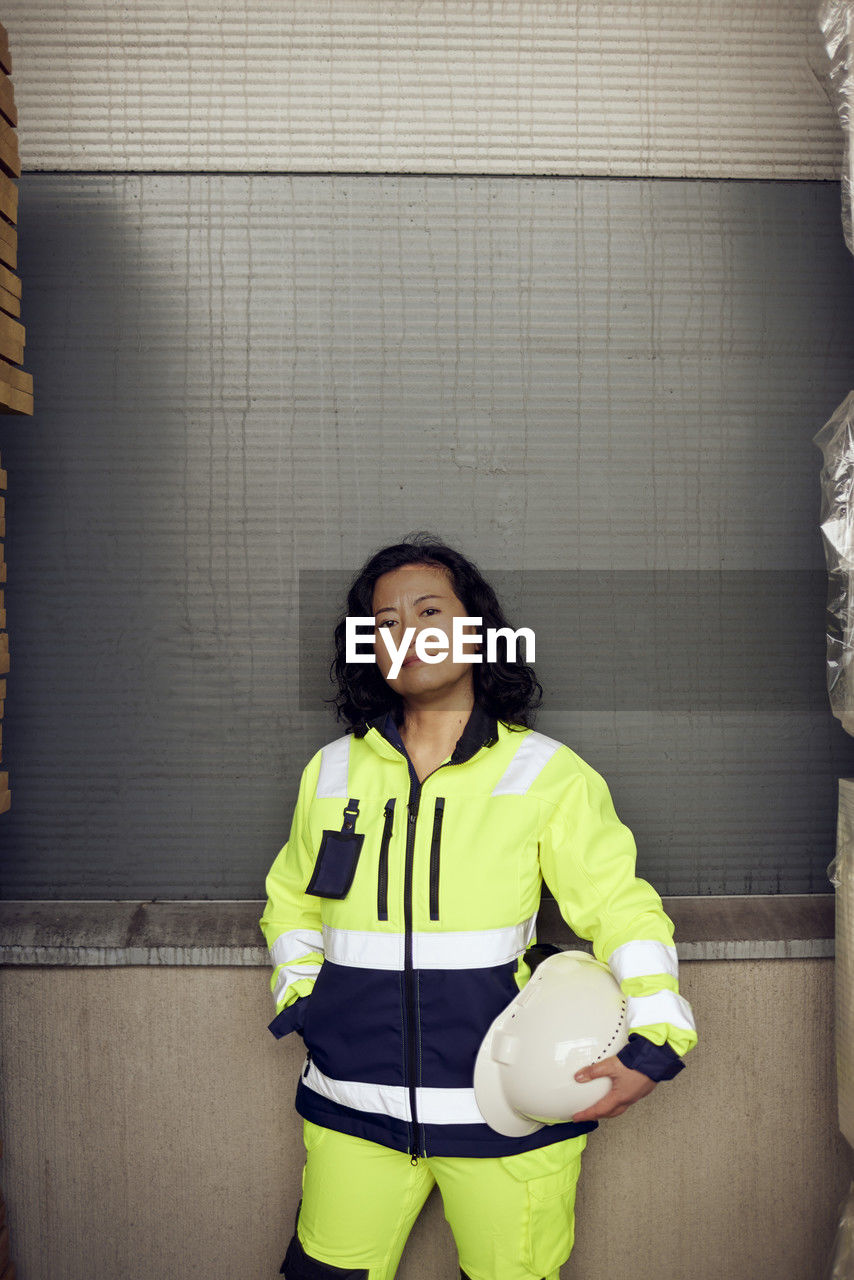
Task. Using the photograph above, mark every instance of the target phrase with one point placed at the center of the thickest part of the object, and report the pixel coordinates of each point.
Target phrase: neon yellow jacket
(402, 911)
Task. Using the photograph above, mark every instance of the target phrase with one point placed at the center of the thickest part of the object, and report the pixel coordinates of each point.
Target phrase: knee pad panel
(299, 1266)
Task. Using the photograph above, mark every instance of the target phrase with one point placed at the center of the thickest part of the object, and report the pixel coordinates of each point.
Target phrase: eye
(386, 622)
(430, 609)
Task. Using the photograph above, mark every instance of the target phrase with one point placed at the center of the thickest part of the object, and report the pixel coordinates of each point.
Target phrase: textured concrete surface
(149, 1131)
(227, 933)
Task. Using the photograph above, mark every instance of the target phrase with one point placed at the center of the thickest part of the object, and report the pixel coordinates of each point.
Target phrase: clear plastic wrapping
(841, 872)
(841, 1266)
(836, 441)
(836, 19)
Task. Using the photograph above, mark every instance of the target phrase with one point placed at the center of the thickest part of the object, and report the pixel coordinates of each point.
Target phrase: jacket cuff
(290, 1018)
(658, 1061)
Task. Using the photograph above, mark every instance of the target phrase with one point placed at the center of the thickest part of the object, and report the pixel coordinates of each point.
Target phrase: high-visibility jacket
(399, 913)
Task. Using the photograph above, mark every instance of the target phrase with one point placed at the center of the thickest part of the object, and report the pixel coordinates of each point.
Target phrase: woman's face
(421, 596)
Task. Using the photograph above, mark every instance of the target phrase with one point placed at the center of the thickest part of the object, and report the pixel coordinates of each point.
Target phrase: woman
(398, 919)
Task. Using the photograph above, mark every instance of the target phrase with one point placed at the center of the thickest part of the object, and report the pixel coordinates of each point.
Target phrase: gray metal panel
(242, 378)
(448, 86)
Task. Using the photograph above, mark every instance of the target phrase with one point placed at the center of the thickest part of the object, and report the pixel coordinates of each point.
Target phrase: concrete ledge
(207, 933)
(752, 927)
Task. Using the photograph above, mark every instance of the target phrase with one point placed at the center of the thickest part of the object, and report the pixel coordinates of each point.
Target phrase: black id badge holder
(337, 857)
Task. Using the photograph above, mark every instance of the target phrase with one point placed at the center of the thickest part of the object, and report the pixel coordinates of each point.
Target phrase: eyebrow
(390, 608)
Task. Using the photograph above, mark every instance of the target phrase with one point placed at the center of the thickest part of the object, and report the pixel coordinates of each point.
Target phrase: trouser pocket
(550, 1176)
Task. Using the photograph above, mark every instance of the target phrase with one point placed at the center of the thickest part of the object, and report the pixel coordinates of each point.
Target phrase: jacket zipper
(408, 968)
(382, 874)
(434, 857)
(415, 1146)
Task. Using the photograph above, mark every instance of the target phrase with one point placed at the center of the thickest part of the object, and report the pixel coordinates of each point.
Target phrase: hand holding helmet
(627, 1086)
(550, 1057)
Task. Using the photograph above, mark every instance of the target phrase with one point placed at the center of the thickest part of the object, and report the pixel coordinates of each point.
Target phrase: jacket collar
(481, 730)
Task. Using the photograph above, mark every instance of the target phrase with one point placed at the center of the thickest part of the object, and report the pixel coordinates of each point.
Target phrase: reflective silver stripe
(477, 949)
(664, 1006)
(334, 768)
(448, 1106)
(388, 1100)
(291, 973)
(295, 944)
(643, 960)
(358, 950)
(434, 1106)
(533, 755)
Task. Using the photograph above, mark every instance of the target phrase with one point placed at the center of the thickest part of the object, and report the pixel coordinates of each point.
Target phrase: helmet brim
(489, 1093)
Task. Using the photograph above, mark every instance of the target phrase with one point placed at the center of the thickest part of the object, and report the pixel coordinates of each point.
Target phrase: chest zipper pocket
(337, 857)
(382, 872)
(435, 843)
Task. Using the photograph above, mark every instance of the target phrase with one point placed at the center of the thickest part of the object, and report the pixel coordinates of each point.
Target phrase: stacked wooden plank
(16, 396)
(16, 386)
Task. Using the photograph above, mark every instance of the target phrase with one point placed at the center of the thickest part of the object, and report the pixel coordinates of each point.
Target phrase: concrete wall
(149, 1132)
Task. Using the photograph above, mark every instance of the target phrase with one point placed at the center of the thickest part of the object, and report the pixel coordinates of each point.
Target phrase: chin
(423, 679)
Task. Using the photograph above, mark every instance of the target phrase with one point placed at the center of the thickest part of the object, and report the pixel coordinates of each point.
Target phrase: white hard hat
(570, 1014)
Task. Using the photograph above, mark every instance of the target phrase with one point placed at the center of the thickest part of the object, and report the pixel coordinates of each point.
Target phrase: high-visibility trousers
(512, 1217)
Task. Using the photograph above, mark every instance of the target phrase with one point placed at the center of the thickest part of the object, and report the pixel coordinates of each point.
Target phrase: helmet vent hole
(614, 1036)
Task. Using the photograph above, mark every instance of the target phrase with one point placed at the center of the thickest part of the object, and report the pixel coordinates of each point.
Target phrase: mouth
(411, 661)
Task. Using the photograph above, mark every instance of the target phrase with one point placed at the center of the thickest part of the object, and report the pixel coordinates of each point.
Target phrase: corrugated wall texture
(723, 89)
(246, 378)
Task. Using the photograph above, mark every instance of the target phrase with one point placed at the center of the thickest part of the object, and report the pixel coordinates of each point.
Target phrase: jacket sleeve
(291, 920)
(588, 856)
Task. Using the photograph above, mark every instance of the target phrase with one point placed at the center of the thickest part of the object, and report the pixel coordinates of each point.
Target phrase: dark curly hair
(508, 690)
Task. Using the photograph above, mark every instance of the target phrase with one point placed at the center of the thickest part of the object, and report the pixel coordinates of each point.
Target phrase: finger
(602, 1107)
(599, 1112)
(582, 1117)
(596, 1070)
(603, 1110)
